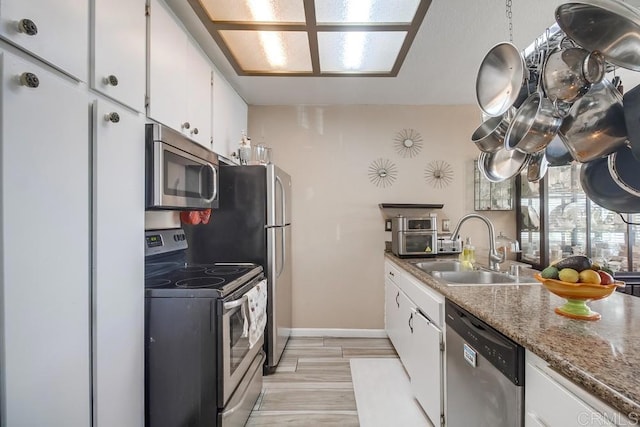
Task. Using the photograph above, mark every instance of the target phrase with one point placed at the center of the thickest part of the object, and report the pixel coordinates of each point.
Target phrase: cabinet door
(55, 31)
(550, 404)
(229, 116)
(198, 96)
(119, 43)
(392, 312)
(425, 366)
(45, 249)
(118, 260)
(167, 67)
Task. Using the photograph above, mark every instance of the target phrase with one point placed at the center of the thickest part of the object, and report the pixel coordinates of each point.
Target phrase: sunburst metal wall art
(382, 172)
(408, 142)
(438, 173)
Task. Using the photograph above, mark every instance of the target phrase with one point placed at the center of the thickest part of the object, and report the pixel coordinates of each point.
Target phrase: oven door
(180, 180)
(417, 243)
(235, 354)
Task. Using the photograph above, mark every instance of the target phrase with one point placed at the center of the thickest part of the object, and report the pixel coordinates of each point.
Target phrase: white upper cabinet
(199, 79)
(230, 114)
(45, 248)
(119, 43)
(179, 77)
(56, 31)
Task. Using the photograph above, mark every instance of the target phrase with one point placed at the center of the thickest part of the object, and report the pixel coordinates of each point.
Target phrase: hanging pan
(598, 184)
(502, 165)
(501, 78)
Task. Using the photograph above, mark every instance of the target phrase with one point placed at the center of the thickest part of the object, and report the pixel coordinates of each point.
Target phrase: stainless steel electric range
(200, 369)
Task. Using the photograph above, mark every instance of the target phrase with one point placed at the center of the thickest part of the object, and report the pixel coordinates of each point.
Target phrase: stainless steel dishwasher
(485, 373)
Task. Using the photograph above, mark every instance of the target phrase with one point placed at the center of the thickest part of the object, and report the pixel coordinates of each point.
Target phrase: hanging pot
(534, 125)
(595, 125)
(569, 73)
(611, 27)
(598, 184)
(501, 78)
(489, 136)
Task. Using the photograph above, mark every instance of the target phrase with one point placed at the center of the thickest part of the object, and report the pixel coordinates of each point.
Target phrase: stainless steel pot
(569, 73)
(534, 125)
(609, 26)
(595, 124)
(501, 77)
(502, 164)
(489, 136)
(631, 105)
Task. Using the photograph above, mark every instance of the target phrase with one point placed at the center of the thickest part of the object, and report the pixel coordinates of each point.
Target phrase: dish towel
(257, 312)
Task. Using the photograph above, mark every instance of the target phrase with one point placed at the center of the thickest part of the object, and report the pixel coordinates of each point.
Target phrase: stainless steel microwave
(180, 173)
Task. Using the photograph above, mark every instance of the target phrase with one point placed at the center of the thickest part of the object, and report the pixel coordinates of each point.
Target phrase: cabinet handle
(391, 274)
(29, 80)
(186, 125)
(112, 117)
(111, 80)
(195, 131)
(28, 27)
(398, 296)
(411, 322)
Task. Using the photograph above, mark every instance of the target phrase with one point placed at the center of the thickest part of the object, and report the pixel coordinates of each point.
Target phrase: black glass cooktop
(180, 279)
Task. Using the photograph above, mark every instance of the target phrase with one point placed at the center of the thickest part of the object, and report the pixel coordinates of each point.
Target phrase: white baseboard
(339, 333)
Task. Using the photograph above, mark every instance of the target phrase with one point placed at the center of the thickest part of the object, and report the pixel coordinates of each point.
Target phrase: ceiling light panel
(270, 51)
(263, 11)
(359, 51)
(365, 11)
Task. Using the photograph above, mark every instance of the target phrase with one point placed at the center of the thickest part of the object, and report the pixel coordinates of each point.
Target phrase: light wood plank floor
(312, 384)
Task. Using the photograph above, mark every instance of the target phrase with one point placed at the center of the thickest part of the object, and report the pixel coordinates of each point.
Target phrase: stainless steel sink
(452, 273)
(480, 278)
(429, 266)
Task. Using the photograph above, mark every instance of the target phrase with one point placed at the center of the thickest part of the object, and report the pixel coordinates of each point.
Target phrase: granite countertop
(602, 356)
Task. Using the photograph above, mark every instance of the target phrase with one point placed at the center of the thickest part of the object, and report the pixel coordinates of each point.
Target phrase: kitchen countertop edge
(556, 358)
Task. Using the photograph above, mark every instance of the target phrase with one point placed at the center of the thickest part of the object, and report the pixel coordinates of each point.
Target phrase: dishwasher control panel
(480, 338)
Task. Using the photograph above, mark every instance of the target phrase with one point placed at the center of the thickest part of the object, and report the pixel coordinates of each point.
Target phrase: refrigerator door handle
(283, 202)
(283, 255)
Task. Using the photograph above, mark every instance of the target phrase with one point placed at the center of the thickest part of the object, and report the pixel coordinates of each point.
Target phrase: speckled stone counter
(602, 356)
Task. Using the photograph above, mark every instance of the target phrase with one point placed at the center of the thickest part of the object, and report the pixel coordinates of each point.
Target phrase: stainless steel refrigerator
(253, 224)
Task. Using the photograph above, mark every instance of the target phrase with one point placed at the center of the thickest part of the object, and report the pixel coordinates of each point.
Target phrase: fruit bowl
(577, 296)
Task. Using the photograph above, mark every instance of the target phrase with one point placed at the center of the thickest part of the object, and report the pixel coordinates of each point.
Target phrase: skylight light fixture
(272, 44)
(357, 11)
(327, 38)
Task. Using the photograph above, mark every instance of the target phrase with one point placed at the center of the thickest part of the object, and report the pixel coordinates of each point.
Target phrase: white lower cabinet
(413, 323)
(118, 267)
(552, 400)
(425, 365)
(45, 248)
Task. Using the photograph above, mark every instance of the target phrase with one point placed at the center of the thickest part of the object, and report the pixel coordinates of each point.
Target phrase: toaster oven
(413, 237)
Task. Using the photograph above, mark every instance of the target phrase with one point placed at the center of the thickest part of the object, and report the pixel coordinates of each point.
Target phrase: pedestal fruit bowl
(577, 281)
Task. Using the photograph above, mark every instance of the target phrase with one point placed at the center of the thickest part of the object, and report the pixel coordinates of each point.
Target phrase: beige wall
(338, 229)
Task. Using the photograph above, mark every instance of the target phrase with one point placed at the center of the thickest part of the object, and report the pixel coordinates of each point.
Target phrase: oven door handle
(235, 303)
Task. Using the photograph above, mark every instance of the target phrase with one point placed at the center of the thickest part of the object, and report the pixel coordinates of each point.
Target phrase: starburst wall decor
(382, 173)
(408, 142)
(438, 173)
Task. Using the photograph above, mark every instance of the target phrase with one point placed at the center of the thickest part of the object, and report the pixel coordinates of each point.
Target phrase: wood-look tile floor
(312, 385)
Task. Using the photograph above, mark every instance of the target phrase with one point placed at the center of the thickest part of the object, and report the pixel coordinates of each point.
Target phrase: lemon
(589, 276)
(569, 275)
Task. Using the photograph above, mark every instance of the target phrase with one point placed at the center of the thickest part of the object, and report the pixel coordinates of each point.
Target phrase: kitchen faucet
(494, 257)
